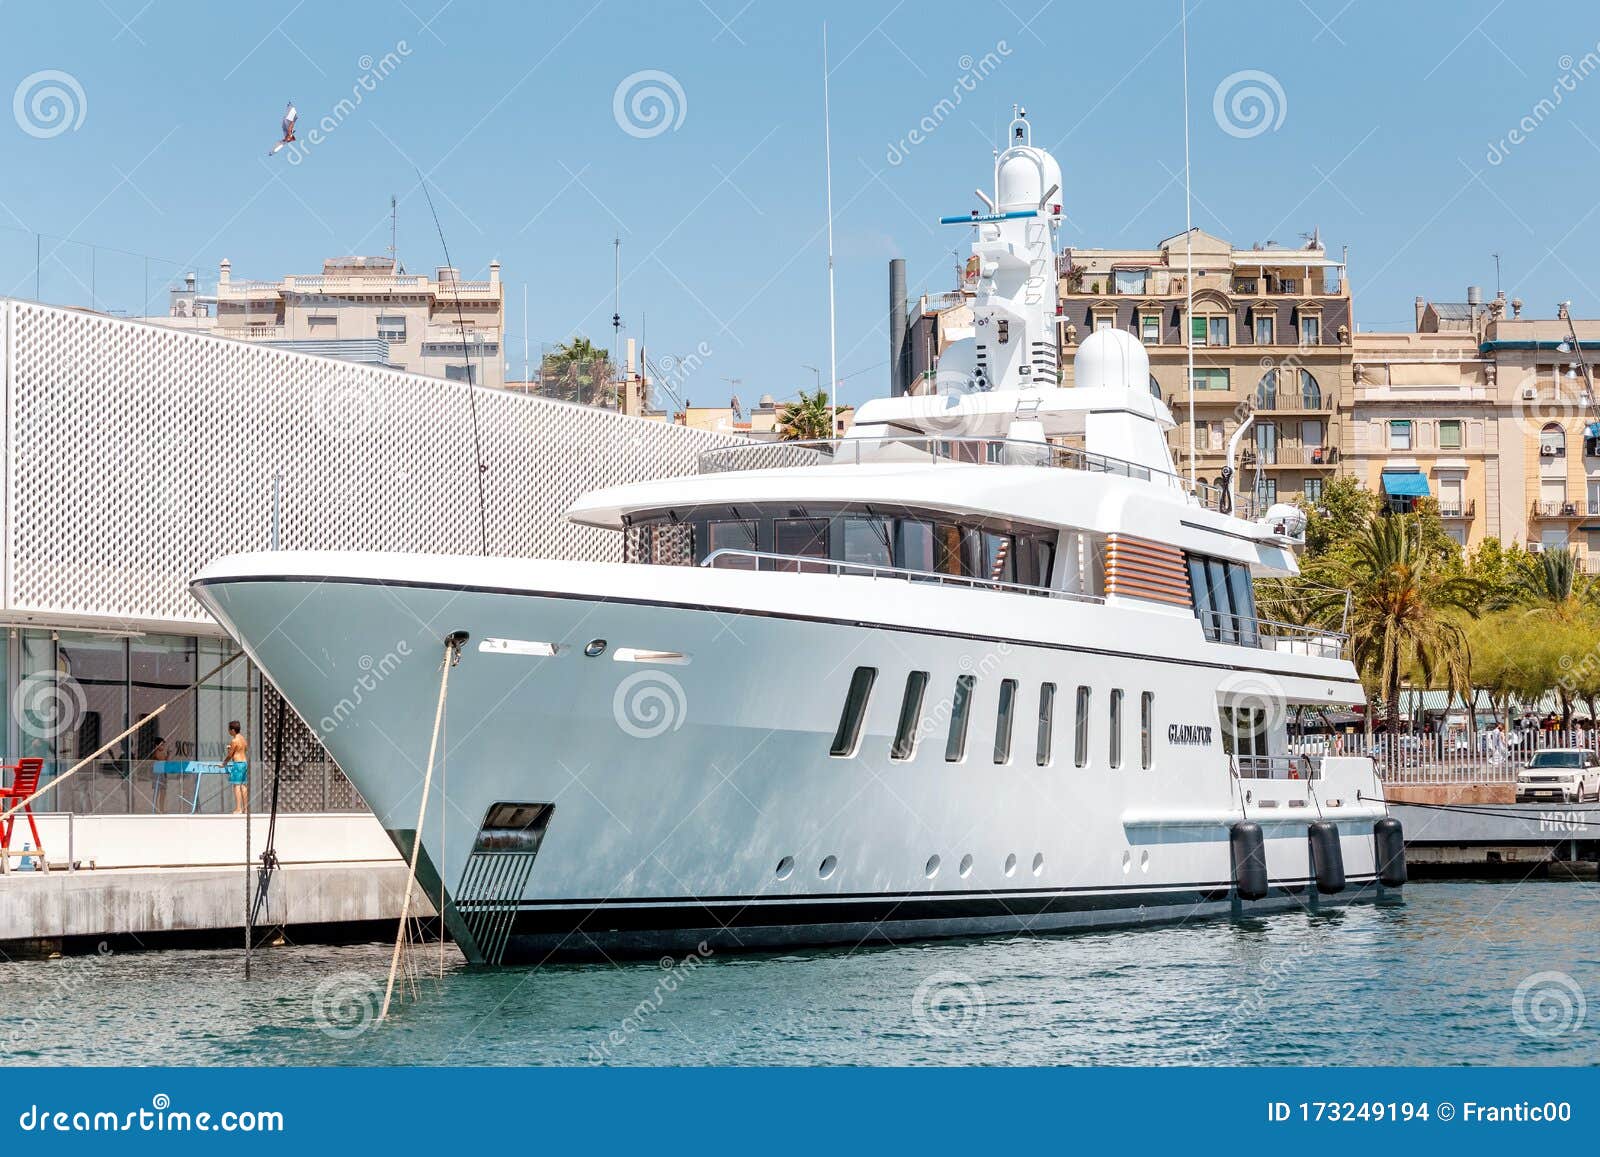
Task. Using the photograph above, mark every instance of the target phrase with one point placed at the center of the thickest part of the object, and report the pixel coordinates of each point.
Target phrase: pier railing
(1462, 758)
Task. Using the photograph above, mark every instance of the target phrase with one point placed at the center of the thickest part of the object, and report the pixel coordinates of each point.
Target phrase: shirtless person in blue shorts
(236, 761)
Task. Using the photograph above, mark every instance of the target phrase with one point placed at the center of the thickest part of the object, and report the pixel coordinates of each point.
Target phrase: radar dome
(1112, 357)
(1026, 175)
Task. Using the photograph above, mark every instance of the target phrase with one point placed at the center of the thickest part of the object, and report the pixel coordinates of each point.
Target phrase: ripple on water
(1431, 982)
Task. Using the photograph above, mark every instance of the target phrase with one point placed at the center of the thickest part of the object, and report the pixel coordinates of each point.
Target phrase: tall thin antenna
(525, 363)
(1496, 257)
(1188, 234)
(466, 361)
(827, 156)
(394, 232)
(616, 308)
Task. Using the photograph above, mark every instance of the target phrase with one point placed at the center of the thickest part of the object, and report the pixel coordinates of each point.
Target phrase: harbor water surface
(1462, 974)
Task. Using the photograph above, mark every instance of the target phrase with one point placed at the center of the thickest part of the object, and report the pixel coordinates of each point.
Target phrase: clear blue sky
(1389, 114)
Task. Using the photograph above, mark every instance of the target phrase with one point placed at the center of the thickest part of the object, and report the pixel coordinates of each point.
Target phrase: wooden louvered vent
(1141, 569)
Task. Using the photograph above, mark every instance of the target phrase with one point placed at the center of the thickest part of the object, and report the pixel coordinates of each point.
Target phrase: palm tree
(579, 371)
(808, 420)
(1556, 591)
(1401, 605)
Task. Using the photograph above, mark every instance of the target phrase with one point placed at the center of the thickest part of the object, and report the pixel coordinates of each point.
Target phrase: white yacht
(987, 665)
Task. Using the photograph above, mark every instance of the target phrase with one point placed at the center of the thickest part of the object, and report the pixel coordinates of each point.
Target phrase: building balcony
(1293, 402)
(252, 332)
(1455, 508)
(1555, 511)
(1294, 457)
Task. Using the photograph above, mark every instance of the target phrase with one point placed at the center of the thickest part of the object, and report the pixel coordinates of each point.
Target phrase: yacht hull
(692, 804)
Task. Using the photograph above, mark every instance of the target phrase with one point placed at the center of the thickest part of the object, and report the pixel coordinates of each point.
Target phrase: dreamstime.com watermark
(973, 73)
(1548, 1005)
(48, 103)
(948, 1004)
(345, 1004)
(69, 977)
(159, 1117)
(1253, 1005)
(649, 703)
(347, 406)
(373, 674)
(1248, 103)
(48, 704)
(1573, 73)
(648, 103)
(373, 72)
(674, 973)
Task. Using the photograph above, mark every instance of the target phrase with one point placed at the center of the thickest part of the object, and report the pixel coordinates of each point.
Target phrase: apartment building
(1273, 336)
(1424, 419)
(361, 309)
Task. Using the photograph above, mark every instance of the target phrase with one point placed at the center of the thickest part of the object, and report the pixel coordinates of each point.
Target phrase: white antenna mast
(827, 154)
(1188, 237)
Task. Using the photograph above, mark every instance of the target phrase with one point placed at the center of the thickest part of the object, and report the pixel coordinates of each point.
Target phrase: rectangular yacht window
(854, 714)
(1244, 603)
(806, 537)
(1199, 588)
(955, 748)
(1227, 620)
(1147, 706)
(905, 734)
(947, 539)
(999, 557)
(866, 541)
(731, 534)
(1116, 727)
(1047, 708)
(913, 549)
(1080, 739)
(1002, 725)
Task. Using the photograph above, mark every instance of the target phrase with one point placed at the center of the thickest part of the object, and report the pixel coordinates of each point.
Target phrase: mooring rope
(452, 651)
(1476, 810)
(116, 739)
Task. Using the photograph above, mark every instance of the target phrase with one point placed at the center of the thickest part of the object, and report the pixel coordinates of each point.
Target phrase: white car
(1568, 774)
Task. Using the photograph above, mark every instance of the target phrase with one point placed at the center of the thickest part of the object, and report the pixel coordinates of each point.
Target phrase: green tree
(1559, 600)
(808, 420)
(579, 371)
(1403, 606)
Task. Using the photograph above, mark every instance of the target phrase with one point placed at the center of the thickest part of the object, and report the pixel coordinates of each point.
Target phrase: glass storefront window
(93, 692)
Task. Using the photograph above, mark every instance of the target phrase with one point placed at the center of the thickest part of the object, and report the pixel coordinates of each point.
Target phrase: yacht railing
(937, 449)
(1277, 766)
(1272, 635)
(766, 560)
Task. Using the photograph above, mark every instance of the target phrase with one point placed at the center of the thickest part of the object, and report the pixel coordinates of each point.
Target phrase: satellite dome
(1112, 357)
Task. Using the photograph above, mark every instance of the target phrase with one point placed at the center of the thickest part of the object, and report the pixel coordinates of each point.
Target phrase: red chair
(24, 782)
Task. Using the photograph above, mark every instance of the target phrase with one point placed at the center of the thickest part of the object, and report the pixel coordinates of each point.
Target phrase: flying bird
(290, 115)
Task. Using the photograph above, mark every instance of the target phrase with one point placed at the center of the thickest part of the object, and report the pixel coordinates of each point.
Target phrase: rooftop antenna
(827, 155)
(394, 233)
(616, 305)
(1188, 227)
(472, 386)
(1496, 257)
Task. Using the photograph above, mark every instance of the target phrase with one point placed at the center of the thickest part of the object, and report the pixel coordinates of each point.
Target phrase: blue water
(1463, 974)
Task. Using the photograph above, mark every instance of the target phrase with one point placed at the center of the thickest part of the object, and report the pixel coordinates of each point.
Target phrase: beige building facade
(1424, 417)
(363, 309)
(1272, 335)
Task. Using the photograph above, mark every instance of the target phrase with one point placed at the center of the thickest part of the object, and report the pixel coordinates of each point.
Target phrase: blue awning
(1405, 483)
(1592, 430)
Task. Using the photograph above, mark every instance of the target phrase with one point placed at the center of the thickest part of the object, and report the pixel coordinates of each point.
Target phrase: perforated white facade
(134, 454)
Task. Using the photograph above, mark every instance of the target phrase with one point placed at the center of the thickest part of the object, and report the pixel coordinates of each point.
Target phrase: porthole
(785, 867)
(1011, 864)
(931, 868)
(595, 648)
(966, 865)
(1144, 861)
(1038, 863)
(1127, 862)
(825, 869)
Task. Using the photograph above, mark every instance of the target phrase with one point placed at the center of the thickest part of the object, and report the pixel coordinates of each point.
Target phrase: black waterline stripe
(468, 588)
(819, 898)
